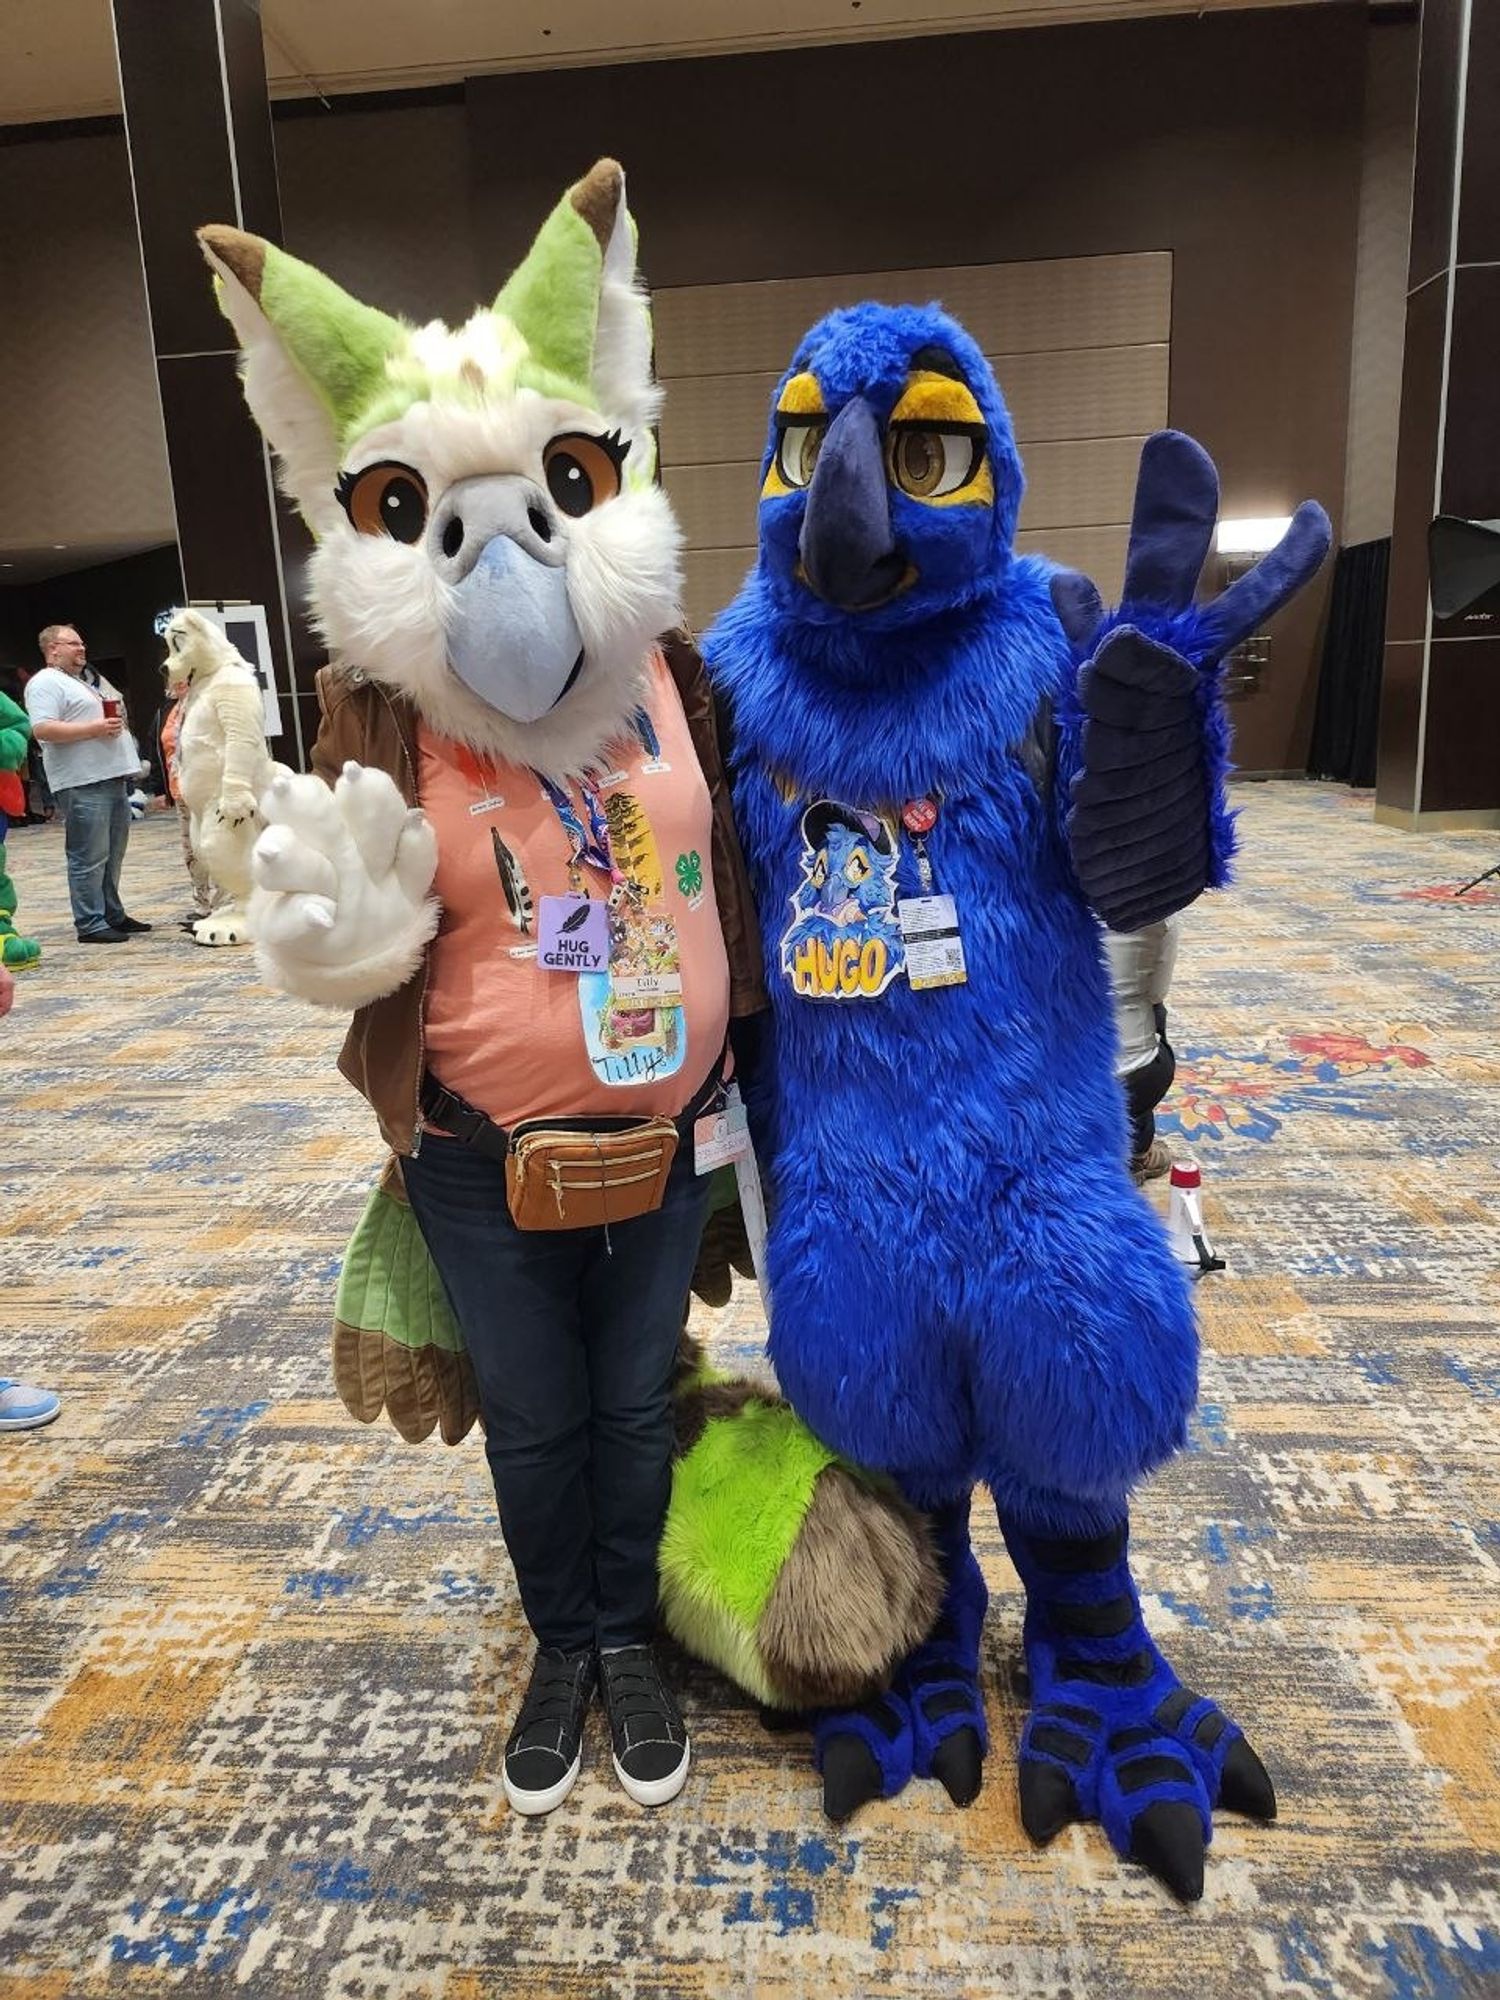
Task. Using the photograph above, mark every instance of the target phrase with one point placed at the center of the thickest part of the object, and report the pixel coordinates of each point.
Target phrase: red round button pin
(919, 816)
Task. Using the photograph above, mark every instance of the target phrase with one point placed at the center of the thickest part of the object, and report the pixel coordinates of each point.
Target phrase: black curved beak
(849, 553)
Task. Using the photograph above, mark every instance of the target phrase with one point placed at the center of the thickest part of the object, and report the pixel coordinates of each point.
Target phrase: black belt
(467, 1123)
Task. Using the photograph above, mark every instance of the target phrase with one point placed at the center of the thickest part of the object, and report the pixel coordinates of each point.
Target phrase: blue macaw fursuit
(949, 765)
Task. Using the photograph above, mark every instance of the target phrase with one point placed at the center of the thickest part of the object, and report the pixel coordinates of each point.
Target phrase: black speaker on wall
(1463, 562)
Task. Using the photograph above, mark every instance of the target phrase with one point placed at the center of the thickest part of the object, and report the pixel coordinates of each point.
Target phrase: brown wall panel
(1461, 768)
(218, 474)
(1479, 198)
(1017, 309)
(1471, 447)
(1437, 121)
(186, 181)
(379, 199)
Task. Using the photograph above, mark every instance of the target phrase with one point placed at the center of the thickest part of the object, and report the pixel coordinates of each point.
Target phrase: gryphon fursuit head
(949, 764)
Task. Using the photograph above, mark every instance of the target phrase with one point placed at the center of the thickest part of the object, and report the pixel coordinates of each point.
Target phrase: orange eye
(583, 472)
(386, 499)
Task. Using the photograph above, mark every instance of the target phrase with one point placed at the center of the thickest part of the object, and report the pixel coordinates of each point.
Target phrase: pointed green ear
(552, 299)
(340, 345)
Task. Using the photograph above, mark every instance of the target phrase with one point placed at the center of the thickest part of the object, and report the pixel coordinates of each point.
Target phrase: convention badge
(645, 959)
(489, 805)
(934, 948)
(574, 935)
(628, 1046)
(843, 942)
(721, 1136)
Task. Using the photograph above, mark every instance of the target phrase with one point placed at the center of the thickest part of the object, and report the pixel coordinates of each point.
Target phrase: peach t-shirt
(520, 1042)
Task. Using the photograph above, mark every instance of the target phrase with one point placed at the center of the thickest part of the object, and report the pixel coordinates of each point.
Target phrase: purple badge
(574, 934)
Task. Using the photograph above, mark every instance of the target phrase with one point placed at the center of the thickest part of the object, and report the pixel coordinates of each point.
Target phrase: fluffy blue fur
(994, 1300)
(966, 1285)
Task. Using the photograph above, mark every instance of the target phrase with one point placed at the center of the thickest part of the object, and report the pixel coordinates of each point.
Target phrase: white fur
(622, 339)
(380, 603)
(293, 417)
(223, 764)
(345, 987)
(342, 910)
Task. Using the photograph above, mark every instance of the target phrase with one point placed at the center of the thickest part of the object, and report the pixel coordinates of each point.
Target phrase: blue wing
(1148, 824)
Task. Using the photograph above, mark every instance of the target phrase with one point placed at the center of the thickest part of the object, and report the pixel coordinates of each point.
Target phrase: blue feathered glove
(1148, 828)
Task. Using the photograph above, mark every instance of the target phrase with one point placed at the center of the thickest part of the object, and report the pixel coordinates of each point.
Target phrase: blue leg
(940, 1681)
(930, 1723)
(1113, 1735)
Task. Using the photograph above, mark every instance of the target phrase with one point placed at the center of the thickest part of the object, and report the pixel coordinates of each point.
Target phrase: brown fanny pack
(556, 1178)
(565, 1173)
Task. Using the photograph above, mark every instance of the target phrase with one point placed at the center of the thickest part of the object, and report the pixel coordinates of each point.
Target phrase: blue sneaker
(25, 1409)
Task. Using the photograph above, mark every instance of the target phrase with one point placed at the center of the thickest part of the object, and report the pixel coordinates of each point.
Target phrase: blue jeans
(96, 828)
(573, 1343)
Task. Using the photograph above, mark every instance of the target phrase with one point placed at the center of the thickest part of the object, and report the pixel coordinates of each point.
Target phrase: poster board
(244, 625)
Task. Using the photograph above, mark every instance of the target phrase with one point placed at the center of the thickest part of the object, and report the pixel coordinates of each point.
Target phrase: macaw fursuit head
(949, 764)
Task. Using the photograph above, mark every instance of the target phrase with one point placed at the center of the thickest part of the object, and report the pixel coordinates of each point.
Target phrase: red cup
(111, 708)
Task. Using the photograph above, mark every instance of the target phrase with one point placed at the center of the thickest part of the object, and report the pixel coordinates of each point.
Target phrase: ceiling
(57, 57)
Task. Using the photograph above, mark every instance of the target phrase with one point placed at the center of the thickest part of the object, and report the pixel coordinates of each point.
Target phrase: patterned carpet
(255, 1661)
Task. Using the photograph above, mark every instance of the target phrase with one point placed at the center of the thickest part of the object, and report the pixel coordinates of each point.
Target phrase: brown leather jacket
(382, 1054)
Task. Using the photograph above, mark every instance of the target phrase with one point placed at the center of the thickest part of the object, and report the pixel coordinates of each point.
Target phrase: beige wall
(82, 457)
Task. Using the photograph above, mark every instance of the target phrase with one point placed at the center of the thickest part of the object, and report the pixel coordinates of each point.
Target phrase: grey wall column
(1439, 757)
(198, 125)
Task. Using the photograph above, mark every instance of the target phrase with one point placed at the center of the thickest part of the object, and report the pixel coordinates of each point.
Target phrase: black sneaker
(132, 927)
(103, 937)
(545, 1749)
(652, 1751)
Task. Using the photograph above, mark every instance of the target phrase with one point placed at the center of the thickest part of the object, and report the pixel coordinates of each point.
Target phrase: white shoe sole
(656, 1791)
(532, 1804)
(30, 1423)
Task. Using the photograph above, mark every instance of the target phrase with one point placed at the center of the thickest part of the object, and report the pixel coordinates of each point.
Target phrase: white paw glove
(342, 909)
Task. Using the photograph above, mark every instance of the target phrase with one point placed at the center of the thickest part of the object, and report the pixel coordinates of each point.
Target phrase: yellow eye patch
(802, 397)
(801, 419)
(935, 443)
(936, 400)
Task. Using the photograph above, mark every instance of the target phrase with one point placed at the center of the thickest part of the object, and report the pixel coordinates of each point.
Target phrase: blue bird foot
(931, 1723)
(1113, 1735)
(863, 1753)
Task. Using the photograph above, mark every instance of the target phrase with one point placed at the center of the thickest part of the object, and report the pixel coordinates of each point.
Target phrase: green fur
(341, 346)
(362, 362)
(553, 297)
(389, 1284)
(739, 1498)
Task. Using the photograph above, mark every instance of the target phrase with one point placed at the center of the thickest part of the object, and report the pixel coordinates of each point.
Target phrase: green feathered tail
(803, 1579)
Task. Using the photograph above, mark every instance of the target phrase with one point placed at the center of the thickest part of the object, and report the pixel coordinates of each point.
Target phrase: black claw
(851, 1777)
(958, 1766)
(1167, 1840)
(1048, 1801)
(1245, 1786)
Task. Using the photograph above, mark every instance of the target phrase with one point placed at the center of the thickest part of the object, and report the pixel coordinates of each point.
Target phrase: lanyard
(591, 849)
(586, 849)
